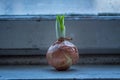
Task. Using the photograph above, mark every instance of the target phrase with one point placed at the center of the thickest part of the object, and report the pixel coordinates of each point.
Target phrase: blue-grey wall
(86, 34)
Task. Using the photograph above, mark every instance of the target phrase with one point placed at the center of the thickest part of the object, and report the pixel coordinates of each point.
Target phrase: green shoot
(60, 27)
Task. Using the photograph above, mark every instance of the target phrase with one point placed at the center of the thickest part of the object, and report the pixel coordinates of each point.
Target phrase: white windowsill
(81, 72)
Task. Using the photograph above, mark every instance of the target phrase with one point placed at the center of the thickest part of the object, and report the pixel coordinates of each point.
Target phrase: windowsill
(38, 18)
(81, 72)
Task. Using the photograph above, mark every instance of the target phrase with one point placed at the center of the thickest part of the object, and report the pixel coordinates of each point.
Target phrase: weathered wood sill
(77, 72)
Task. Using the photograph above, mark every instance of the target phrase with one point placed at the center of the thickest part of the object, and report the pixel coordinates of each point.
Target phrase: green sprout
(60, 27)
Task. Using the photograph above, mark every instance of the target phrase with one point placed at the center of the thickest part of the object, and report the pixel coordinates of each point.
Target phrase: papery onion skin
(62, 54)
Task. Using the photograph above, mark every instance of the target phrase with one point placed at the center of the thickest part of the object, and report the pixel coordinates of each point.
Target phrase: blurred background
(42, 7)
(94, 24)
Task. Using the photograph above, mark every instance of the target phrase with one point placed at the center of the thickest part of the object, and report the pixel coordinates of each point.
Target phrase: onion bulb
(62, 53)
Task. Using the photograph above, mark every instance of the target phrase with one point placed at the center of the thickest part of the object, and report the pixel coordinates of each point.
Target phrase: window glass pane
(38, 7)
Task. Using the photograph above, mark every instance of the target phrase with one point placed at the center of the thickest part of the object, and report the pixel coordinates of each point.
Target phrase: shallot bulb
(62, 54)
